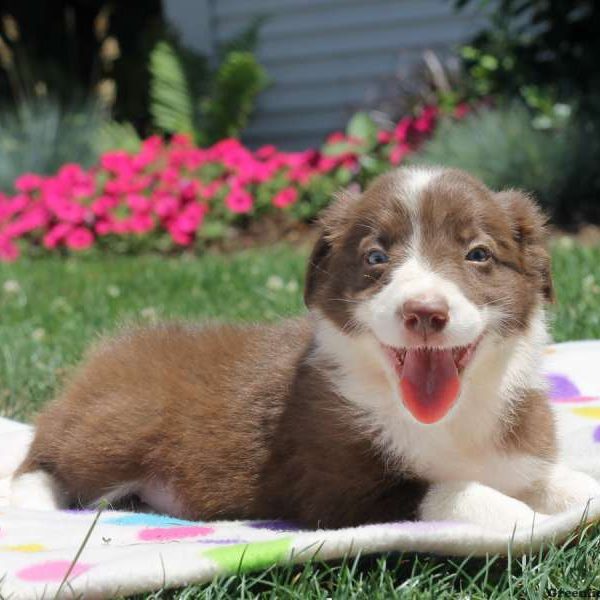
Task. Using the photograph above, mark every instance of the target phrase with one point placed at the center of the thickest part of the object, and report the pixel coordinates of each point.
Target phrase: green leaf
(118, 136)
(171, 103)
(213, 230)
(362, 126)
(237, 82)
(339, 148)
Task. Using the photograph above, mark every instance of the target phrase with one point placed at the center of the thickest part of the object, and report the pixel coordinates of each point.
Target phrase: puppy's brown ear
(332, 223)
(529, 232)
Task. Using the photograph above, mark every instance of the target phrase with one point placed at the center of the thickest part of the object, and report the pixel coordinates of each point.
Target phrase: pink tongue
(429, 383)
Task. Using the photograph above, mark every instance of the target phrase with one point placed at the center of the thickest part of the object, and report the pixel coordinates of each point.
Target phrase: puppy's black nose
(425, 314)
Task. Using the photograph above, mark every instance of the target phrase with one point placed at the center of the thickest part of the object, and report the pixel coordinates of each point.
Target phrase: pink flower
(194, 158)
(56, 235)
(182, 238)
(264, 171)
(301, 174)
(285, 197)
(398, 153)
(190, 218)
(425, 123)
(190, 189)
(402, 129)
(327, 164)
(9, 251)
(239, 201)
(182, 140)
(265, 152)
(104, 227)
(121, 226)
(384, 137)
(141, 223)
(148, 153)
(350, 161)
(65, 209)
(166, 205)
(28, 182)
(117, 161)
(169, 186)
(138, 203)
(209, 191)
(71, 172)
(169, 175)
(79, 239)
(10, 206)
(33, 218)
(103, 204)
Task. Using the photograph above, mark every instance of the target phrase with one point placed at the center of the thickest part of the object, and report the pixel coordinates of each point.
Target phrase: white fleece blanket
(135, 552)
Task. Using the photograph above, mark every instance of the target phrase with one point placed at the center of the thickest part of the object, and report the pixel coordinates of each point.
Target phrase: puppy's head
(429, 263)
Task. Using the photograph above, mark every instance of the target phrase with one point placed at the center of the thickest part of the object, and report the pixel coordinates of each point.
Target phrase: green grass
(51, 309)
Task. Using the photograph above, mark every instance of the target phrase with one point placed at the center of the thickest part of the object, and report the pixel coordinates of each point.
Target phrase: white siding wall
(324, 57)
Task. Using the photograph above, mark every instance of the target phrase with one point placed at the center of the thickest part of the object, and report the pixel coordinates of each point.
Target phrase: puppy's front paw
(563, 489)
(479, 504)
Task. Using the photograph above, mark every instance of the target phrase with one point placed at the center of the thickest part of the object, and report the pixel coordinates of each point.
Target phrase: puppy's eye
(377, 257)
(479, 254)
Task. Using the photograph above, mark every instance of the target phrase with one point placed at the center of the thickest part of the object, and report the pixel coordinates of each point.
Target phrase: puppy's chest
(459, 450)
(440, 454)
(463, 447)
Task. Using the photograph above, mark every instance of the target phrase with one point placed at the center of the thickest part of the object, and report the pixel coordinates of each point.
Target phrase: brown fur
(236, 420)
(255, 434)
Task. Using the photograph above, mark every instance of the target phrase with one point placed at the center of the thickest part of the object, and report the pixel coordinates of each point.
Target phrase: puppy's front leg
(562, 488)
(476, 503)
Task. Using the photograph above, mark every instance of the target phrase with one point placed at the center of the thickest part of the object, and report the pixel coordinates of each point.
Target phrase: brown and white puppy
(411, 390)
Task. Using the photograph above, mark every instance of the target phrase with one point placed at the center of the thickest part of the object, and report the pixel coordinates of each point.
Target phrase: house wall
(324, 57)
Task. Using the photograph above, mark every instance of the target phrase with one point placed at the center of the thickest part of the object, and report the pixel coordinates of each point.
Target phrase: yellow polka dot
(26, 548)
(589, 412)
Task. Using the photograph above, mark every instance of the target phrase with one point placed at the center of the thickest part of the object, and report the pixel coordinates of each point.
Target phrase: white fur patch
(156, 494)
(161, 497)
(462, 445)
(563, 489)
(35, 491)
(418, 178)
(413, 279)
(479, 504)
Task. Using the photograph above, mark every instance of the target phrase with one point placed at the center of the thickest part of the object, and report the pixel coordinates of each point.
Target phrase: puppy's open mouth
(429, 378)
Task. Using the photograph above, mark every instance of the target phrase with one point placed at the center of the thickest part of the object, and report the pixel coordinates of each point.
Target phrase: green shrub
(213, 109)
(236, 84)
(171, 104)
(40, 136)
(504, 149)
(549, 45)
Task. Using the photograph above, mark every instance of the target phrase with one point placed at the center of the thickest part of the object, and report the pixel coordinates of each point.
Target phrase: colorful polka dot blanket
(125, 553)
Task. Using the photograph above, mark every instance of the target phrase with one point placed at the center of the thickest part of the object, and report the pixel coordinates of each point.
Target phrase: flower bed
(174, 194)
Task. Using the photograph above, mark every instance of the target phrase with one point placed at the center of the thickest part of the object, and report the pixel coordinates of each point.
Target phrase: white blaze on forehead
(416, 181)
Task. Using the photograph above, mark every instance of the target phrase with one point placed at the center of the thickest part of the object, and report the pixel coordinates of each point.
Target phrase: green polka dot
(250, 557)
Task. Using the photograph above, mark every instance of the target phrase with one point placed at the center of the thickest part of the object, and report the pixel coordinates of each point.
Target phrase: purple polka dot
(562, 387)
(596, 434)
(274, 525)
